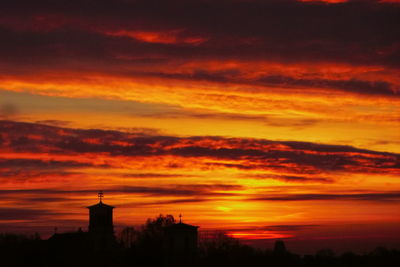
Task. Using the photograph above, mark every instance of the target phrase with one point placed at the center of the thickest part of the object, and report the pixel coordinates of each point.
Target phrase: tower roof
(100, 205)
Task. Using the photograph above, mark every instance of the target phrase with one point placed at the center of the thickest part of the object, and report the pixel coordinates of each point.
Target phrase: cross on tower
(180, 218)
(100, 195)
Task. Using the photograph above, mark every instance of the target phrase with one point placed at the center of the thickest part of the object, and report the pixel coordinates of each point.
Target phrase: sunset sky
(264, 118)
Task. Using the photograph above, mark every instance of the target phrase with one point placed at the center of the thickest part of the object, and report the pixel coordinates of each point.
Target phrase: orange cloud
(165, 37)
(187, 109)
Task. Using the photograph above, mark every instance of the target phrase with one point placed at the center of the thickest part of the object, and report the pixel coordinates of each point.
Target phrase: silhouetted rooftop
(68, 237)
(100, 205)
(181, 226)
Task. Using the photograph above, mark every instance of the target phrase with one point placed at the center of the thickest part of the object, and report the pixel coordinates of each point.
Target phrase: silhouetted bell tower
(101, 218)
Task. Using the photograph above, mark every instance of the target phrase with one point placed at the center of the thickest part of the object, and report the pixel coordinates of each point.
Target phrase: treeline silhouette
(142, 246)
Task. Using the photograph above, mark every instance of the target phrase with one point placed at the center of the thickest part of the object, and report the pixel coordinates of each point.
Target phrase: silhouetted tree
(152, 231)
(217, 249)
(383, 257)
(326, 258)
(350, 259)
(279, 247)
(221, 249)
(218, 241)
(20, 250)
(128, 237)
(147, 246)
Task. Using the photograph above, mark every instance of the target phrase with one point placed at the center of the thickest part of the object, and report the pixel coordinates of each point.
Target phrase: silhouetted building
(70, 241)
(180, 242)
(101, 228)
(100, 233)
(101, 219)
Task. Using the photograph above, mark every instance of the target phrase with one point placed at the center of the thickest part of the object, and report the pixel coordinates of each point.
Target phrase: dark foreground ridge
(164, 242)
(221, 250)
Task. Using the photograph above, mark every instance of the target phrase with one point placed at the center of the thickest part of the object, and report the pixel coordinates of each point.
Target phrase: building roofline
(100, 204)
